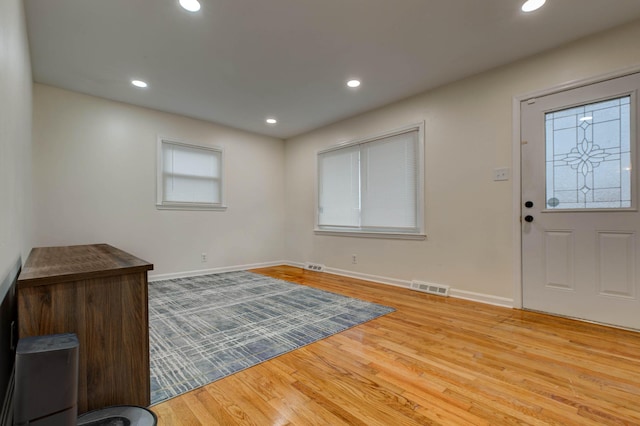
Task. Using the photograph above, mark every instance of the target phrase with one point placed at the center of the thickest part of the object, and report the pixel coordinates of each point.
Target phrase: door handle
(528, 218)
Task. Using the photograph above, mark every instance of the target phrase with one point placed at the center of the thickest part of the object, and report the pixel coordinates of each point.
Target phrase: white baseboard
(482, 298)
(219, 270)
(358, 275)
(458, 294)
(368, 277)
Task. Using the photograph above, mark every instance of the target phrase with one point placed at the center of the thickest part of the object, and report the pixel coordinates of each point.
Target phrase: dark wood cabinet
(100, 293)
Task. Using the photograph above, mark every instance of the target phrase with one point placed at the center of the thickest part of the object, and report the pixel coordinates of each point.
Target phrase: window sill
(381, 235)
(190, 207)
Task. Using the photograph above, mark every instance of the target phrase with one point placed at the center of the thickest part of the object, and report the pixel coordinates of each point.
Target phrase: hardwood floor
(434, 361)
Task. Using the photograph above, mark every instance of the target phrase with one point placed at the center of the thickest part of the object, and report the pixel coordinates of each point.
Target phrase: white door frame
(516, 158)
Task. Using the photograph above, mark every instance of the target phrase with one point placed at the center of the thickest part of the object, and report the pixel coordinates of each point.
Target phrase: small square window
(189, 176)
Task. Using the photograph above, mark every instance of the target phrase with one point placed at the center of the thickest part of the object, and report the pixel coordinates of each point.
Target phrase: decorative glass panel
(588, 156)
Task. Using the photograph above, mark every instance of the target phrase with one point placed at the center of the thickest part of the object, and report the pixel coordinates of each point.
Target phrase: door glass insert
(588, 156)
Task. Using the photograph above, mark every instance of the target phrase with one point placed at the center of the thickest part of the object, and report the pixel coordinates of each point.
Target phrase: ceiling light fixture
(139, 83)
(271, 121)
(531, 5)
(353, 83)
(190, 5)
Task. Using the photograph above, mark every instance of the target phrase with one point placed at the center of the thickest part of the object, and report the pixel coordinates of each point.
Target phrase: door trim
(517, 155)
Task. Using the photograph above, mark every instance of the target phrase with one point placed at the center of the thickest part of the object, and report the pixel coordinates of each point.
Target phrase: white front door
(580, 220)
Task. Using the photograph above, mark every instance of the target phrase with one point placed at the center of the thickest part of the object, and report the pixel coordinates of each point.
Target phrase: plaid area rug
(208, 327)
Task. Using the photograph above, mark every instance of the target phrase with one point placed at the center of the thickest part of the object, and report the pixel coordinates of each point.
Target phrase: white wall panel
(559, 259)
(82, 198)
(95, 181)
(15, 137)
(617, 264)
(468, 133)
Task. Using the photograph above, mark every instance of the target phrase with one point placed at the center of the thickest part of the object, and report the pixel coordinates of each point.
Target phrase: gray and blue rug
(208, 327)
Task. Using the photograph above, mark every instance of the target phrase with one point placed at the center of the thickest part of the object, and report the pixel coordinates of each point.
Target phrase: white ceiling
(237, 62)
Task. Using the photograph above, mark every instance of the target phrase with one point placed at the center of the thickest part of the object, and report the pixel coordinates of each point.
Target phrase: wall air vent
(318, 267)
(438, 289)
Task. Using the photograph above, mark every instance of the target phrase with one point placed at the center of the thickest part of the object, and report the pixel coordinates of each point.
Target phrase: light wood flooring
(434, 361)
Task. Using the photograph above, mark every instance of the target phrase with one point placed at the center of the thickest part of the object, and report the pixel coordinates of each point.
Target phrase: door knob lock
(528, 204)
(528, 218)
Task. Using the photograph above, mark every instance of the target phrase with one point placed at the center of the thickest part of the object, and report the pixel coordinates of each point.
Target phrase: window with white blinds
(373, 186)
(189, 176)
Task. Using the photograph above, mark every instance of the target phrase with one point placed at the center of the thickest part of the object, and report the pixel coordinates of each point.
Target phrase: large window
(373, 187)
(189, 176)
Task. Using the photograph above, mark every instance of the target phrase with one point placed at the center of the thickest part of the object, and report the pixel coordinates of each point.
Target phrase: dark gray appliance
(46, 390)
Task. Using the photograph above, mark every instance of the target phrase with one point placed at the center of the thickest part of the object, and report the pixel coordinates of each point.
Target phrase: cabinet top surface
(47, 265)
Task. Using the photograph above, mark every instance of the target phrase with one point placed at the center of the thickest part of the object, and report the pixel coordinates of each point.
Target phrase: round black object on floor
(119, 415)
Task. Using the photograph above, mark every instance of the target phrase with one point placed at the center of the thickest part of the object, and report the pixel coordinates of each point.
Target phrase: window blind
(191, 174)
(371, 186)
(389, 176)
(340, 188)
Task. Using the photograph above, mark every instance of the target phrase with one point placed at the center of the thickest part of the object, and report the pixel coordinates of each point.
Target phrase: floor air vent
(438, 289)
(314, 267)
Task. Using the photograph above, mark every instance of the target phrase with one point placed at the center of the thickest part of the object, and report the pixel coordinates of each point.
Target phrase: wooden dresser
(100, 293)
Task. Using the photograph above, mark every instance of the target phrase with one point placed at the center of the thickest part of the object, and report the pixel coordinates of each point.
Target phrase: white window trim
(173, 205)
(368, 232)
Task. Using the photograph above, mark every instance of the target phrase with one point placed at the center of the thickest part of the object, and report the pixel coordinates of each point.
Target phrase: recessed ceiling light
(271, 121)
(139, 83)
(353, 83)
(190, 5)
(531, 5)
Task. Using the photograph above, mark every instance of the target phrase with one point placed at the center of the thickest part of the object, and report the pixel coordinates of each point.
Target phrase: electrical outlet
(354, 259)
(501, 174)
(203, 257)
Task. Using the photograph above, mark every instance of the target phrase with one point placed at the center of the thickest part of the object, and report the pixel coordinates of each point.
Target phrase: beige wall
(94, 178)
(468, 133)
(15, 138)
(95, 181)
